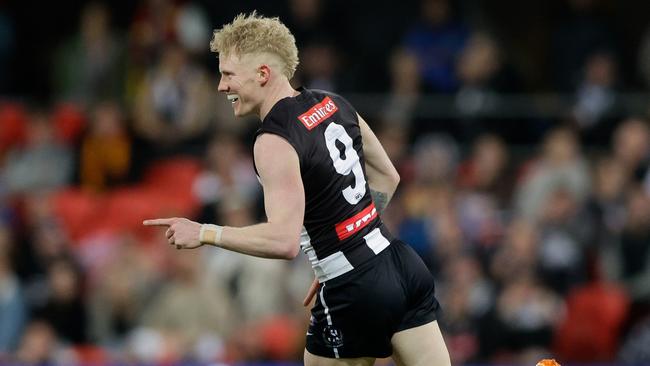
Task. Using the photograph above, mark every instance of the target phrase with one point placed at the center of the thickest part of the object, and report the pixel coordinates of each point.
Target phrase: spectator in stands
(435, 159)
(258, 288)
(262, 291)
(319, 65)
(631, 148)
(483, 74)
(188, 308)
(105, 149)
(520, 327)
(437, 41)
(596, 98)
(606, 211)
(468, 295)
(40, 346)
(173, 106)
(582, 32)
(228, 172)
(192, 28)
(405, 87)
(629, 261)
(121, 287)
(634, 349)
(152, 27)
(487, 171)
(13, 314)
(560, 165)
(564, 232)
(89, 67)
(65, 306)
(430, 220)
(45, 242)
(516, 255)
(484, 184)
(42, 164)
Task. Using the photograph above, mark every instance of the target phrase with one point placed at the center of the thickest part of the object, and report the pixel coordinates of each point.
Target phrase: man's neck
(281, 90)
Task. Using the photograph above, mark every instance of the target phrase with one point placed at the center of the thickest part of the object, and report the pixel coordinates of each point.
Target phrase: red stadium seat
(173, 179)
(78, 210)
(90, 355)
(590, 331)
(166, 191)
(13, 121)
(174, 173)
(281, 337)
(69, 122)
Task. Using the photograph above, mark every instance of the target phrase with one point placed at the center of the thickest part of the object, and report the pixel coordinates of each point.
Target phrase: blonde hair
(255, 34)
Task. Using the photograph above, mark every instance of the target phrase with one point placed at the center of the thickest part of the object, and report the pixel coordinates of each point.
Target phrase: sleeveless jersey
(342, 228)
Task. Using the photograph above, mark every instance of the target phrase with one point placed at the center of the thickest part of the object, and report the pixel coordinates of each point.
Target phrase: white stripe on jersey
(327, 268)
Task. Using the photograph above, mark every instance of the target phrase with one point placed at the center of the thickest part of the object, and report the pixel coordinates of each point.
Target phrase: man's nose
(223, 88)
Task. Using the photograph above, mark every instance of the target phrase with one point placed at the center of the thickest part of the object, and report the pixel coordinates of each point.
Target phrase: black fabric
(392, 292)
(325, 204)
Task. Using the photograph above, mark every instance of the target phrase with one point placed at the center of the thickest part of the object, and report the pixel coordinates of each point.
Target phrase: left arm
(382, 175)
(284, 201)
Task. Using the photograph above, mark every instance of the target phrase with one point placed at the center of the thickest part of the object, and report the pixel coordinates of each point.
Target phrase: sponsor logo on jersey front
(357, 222)
(318, 113)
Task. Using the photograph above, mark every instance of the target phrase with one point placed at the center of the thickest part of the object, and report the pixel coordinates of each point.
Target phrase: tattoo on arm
(380, 199)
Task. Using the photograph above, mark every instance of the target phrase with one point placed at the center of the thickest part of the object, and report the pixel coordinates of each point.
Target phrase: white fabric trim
(332, 266)
(327, 268)
(376, 241)
(327, 313)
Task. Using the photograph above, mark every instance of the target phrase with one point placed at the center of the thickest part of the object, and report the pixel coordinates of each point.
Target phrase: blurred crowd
(537, 229)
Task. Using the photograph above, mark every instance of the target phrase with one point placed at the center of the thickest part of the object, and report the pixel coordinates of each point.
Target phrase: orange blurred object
(547, 362)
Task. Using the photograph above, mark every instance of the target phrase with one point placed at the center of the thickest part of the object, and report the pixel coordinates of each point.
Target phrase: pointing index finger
(158, 222)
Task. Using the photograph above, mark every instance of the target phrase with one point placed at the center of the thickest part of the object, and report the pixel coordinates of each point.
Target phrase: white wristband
(210, 234)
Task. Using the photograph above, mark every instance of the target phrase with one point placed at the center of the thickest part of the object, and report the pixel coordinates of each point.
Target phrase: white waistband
(337, 264)
(332, 266)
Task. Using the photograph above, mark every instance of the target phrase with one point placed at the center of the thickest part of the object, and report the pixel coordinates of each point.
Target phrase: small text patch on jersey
(318, 113)
(357, 222)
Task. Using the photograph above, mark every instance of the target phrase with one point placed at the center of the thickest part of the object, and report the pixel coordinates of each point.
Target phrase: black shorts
(356, 314)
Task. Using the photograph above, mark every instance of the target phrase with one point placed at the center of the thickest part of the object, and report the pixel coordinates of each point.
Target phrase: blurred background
(520, 130)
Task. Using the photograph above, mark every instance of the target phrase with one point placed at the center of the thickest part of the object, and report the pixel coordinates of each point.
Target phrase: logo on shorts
(318, 113)
(333, 337)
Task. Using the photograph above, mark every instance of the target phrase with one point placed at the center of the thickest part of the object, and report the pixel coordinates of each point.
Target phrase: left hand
(181, 232)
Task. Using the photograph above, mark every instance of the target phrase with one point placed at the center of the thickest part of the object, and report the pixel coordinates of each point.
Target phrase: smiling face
(241, 81)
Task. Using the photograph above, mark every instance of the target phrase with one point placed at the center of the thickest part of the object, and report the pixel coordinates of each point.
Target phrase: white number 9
(351, 162)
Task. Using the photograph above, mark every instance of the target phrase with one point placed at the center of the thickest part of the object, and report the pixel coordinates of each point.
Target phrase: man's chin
(240, 113)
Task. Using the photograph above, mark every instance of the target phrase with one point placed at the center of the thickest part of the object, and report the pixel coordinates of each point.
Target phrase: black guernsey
(342, 228)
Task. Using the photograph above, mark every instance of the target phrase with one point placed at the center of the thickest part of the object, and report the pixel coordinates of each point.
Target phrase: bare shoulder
(274, 153)
(269, 142)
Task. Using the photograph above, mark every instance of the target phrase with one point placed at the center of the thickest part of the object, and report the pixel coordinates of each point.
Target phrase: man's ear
(263, 74)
